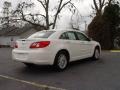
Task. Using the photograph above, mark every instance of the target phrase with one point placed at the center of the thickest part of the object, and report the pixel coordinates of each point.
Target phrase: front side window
(42, 34)
(81, 36)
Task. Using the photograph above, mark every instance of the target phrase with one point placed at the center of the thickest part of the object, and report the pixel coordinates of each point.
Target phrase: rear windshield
(42, 34)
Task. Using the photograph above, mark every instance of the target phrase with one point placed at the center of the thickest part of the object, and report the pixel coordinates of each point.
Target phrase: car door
(85, 45)
(72, 44)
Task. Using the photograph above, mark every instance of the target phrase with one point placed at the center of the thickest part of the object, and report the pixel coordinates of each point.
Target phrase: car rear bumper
(33, 56)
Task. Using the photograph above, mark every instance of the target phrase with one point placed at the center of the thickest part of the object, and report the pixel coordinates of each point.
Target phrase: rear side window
(70, 35)
(64, 36)
(42, 34)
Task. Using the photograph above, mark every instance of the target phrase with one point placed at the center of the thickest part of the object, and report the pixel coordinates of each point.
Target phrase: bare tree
(30, 18)
(60, 7)
(99, 5)
(37, 19)
(5, 19)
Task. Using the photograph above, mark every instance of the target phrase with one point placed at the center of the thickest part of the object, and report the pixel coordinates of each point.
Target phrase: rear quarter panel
(57, 45)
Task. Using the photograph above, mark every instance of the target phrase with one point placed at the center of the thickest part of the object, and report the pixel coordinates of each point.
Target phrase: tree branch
(42, 3)
(33, 23)
(58, 11)
(41, 15)
(109, 2)
(100, 3)
(60, 7)
(103, 2)
(65, 4)
(95, 4)
(50, 24)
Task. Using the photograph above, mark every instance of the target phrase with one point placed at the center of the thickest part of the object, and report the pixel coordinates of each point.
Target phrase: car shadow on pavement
(85, 62)
(38, 69)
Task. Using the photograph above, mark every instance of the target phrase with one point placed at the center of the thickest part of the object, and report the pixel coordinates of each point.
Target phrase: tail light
(15, 45)
(41, 44)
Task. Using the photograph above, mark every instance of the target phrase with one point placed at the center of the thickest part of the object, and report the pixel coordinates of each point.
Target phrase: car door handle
(83, 42)
(68, 42)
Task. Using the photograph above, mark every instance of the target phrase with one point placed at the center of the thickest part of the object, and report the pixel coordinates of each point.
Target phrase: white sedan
(55, 47)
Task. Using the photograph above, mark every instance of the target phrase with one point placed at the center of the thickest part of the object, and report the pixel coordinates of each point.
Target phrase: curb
(114, 50)
(111, 50)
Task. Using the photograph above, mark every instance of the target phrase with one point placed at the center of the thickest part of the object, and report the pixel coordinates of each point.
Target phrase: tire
(61, 61)
(96, 54)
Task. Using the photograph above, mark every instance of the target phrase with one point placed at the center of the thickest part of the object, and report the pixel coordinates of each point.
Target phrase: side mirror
(89, 39)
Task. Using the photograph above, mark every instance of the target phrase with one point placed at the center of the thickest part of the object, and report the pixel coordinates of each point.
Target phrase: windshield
(42, 34)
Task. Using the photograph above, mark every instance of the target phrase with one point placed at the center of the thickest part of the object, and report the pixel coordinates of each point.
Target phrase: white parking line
(45, 87)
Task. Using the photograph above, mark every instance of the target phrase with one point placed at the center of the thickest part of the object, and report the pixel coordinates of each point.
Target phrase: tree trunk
(47, 15)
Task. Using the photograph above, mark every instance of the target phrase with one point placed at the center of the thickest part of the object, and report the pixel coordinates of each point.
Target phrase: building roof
(14, 31)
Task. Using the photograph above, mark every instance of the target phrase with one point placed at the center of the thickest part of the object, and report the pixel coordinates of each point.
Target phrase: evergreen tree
(112, 17)
(103, 27)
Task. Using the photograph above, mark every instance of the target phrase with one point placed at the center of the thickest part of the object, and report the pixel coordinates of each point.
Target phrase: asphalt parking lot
(87, 74)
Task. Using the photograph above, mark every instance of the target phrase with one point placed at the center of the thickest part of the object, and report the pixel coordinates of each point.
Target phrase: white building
(8, 37)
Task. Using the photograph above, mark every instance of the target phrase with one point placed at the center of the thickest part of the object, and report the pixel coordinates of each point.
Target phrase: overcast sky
(83, 7)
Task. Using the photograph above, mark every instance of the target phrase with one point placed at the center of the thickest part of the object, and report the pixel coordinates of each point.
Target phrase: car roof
(62, 30)
(58, 32)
